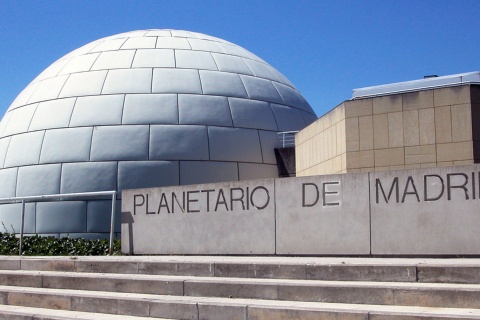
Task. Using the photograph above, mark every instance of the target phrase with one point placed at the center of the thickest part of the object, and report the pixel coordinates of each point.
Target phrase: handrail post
(112, 224)
(20, 246)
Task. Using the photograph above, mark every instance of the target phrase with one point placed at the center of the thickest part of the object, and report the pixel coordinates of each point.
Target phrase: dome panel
(261, 89)
(196, 172)
(114, 60)
(178, 143)
(176, 81)
(206, 110)
(252, 114)
(172, 43)
(48, 89)
(150, 109)
(189, 59)
(8, 181)
(252, 171)
(80, 63)
(88, 176)
(222, 84)
(147, 174)
(66, 145)
(230, 63)
(46, 177)
(84, 84)
(205, 45)
(128, 81)
(109, 45)
(97, 110)
(53, 70)
(234, 144)
(24, 149)
(51, 217)
(183, 34)
(140, 43)
(158, 33)
(4, 142)
(154, 58)
(288, 119)
(22, 98)
(120, 143)
(61, 108)
(20, 119)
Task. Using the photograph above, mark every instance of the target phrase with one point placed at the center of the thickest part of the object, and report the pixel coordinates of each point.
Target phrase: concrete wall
(432, 211)
(429, 128)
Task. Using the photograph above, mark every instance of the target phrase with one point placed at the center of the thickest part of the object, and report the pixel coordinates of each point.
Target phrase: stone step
(27, 313)
(182, 307)
(355, 292)
(309, 268)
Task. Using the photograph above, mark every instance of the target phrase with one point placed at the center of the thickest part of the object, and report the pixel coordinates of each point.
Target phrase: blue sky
(326, 48)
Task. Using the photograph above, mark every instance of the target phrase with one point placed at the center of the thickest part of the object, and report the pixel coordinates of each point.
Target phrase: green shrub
(51, 246)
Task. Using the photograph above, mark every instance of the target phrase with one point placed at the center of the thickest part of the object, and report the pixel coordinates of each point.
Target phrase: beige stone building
(424, 123)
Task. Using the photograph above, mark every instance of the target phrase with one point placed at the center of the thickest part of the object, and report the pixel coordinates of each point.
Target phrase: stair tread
(246, 281)
(258, 303)
(62, 314)
(368, 261)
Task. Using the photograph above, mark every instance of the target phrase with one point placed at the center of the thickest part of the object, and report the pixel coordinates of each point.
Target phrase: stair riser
(452, 298)
(384, 273)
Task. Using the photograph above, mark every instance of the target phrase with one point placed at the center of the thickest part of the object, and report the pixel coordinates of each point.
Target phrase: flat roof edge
(417, 85)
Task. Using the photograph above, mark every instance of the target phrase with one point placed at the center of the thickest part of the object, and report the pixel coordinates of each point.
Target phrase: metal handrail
(25, 199)
(287, 138)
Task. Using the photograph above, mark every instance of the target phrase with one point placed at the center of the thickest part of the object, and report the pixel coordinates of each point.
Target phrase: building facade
(419, 124)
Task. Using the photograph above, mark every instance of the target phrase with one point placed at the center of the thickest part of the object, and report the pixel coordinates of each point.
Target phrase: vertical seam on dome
(238, 171)
(156, 40)
(200, 80)
(179, 175)
(149, 139)
(116, 183)
(178, 108)
(133, 58)
(71, 113)
(16, 181)
(6, 151)
(174, 58)
(104, 81)
(244, 87)
(94, 61)
(94, 127)
(151, 82)
(59, 183)
(230, 108)
(279, 94)
(33, 115)
(215, 62)
(260, 141)
(274, 117)
(6, 122)
(61, 89)
(244, 61)
(123, 108)
(208, 144)
(61, 69)
(41, 147)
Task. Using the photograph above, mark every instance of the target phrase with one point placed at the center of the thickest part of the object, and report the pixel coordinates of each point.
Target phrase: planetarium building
(140, 109)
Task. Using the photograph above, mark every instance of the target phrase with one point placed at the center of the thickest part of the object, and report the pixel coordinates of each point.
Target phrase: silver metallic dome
(141, 109)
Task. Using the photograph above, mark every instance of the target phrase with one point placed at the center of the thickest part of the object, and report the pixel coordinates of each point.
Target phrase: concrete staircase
(238, 288)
